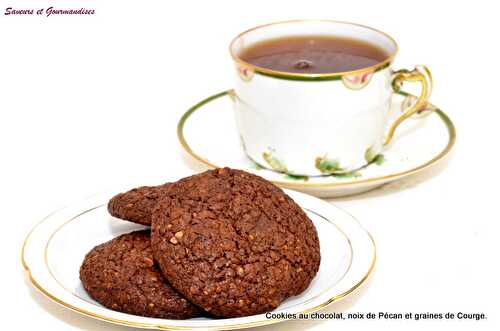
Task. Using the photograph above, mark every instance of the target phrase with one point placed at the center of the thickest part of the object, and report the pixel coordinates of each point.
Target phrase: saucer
(207, 131)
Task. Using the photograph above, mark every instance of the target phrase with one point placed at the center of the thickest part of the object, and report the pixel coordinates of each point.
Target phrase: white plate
(208, 132)
(54, 249)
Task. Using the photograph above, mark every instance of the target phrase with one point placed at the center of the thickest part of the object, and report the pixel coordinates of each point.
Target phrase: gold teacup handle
(419, 74)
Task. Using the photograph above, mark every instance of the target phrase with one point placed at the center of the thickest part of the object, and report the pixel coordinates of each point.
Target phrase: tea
(313, 54)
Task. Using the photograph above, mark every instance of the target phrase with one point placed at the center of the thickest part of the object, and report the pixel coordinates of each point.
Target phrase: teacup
(319, 124)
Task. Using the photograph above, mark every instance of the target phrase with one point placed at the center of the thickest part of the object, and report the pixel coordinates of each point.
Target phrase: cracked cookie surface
(233, 243)
(137, 204)
(121, 275)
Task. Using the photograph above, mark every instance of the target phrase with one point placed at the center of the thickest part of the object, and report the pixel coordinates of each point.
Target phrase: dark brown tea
(313, 54)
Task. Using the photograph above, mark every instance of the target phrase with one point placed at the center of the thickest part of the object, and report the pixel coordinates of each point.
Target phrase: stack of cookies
(223, 243)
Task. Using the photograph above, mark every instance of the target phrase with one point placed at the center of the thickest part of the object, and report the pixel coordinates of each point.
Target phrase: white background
(91, 103)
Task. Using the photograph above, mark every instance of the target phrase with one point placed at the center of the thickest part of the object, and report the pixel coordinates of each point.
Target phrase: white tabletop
(91, 103)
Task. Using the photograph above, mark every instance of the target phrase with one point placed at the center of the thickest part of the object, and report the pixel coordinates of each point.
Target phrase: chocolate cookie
(233, 243)
(137, 204)
(121, 275)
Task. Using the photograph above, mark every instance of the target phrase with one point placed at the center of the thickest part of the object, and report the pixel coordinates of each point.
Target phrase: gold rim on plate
(172, 327)
(447, 121)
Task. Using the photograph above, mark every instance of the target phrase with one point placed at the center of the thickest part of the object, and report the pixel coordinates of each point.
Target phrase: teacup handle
(419, 74)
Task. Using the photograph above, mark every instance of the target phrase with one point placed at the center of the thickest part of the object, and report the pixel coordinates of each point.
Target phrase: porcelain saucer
(207, 131)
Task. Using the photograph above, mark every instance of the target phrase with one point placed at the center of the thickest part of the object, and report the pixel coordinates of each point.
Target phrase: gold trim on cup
(420, 74)
(324, 76)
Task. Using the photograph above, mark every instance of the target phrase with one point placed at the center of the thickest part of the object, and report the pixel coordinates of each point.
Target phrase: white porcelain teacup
(318, 124)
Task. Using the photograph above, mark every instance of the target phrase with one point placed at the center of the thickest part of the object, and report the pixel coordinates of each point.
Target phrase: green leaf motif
(327, 166)
(347, 175)
(371, 157)
(274, 162)
(296, 177)
(379, 159)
